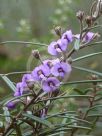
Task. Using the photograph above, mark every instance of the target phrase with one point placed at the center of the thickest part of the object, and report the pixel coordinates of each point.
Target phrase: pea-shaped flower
(50, 63)
(21, 87)
(27, 77)
(57, 47)
(88, 37)
(68, 36)
(51, 84)
(40, 72)
(61, 69)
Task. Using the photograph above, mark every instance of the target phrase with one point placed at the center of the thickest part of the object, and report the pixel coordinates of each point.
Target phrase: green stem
(22, 42)
(86, 56)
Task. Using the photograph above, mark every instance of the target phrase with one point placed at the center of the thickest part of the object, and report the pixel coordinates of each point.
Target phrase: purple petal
(66, 67)
(17, 93)
(27, 77)
(11, 105)
(51, 48)
(45, 69)
(63, 44)
(48, 63)
(35, 74)
(88, 36)
(46, 84)
(54, 69)
(20, 88)
(68, 35)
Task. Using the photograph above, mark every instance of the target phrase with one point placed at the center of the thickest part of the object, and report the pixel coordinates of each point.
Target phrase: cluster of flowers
(51, 72)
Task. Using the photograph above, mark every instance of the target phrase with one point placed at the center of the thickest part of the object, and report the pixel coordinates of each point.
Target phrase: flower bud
(58, 30)
(94, 77)
(36, 54)
(80, 15)
(88, 20)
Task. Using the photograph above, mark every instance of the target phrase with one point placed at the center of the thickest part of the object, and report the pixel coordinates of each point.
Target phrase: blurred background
(34, 21)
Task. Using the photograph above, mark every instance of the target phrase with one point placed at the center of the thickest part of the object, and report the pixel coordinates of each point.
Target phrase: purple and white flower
(88, 37)
(57, 47)
(27, 77)
(21, 87)
(40, 72)
(68, 36)
(61, 69)
(51, 84)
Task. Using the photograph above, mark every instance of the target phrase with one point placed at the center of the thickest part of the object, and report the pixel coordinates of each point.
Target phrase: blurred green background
(34, 21)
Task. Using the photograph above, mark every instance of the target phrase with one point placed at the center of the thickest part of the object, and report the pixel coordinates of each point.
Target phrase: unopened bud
(58, 30)
(80, 15)
(89, 20)
(36, 54)
(94, 77)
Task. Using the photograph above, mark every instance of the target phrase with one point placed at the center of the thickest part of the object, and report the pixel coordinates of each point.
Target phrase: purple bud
(11, 105)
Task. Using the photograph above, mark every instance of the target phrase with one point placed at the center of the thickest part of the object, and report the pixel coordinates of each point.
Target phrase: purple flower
(51, 84)
(21, 87)
(27, 77)
(57, 47)
(40, 72)
(11, 105)
(88, 37)
(50, 63)
(61, 69)
(68, 36)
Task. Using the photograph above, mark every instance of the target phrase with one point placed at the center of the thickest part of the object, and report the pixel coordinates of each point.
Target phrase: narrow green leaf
(88, 70)
(22, 42)
(82, 82)
(86, 56)
(7, 115)
(40, 120)
(9, 83)
(65, 97)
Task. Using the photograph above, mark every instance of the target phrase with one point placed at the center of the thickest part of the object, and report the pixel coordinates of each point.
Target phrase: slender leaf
(9, 83)
(86, 56)
(88, 70)
(40, 120)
